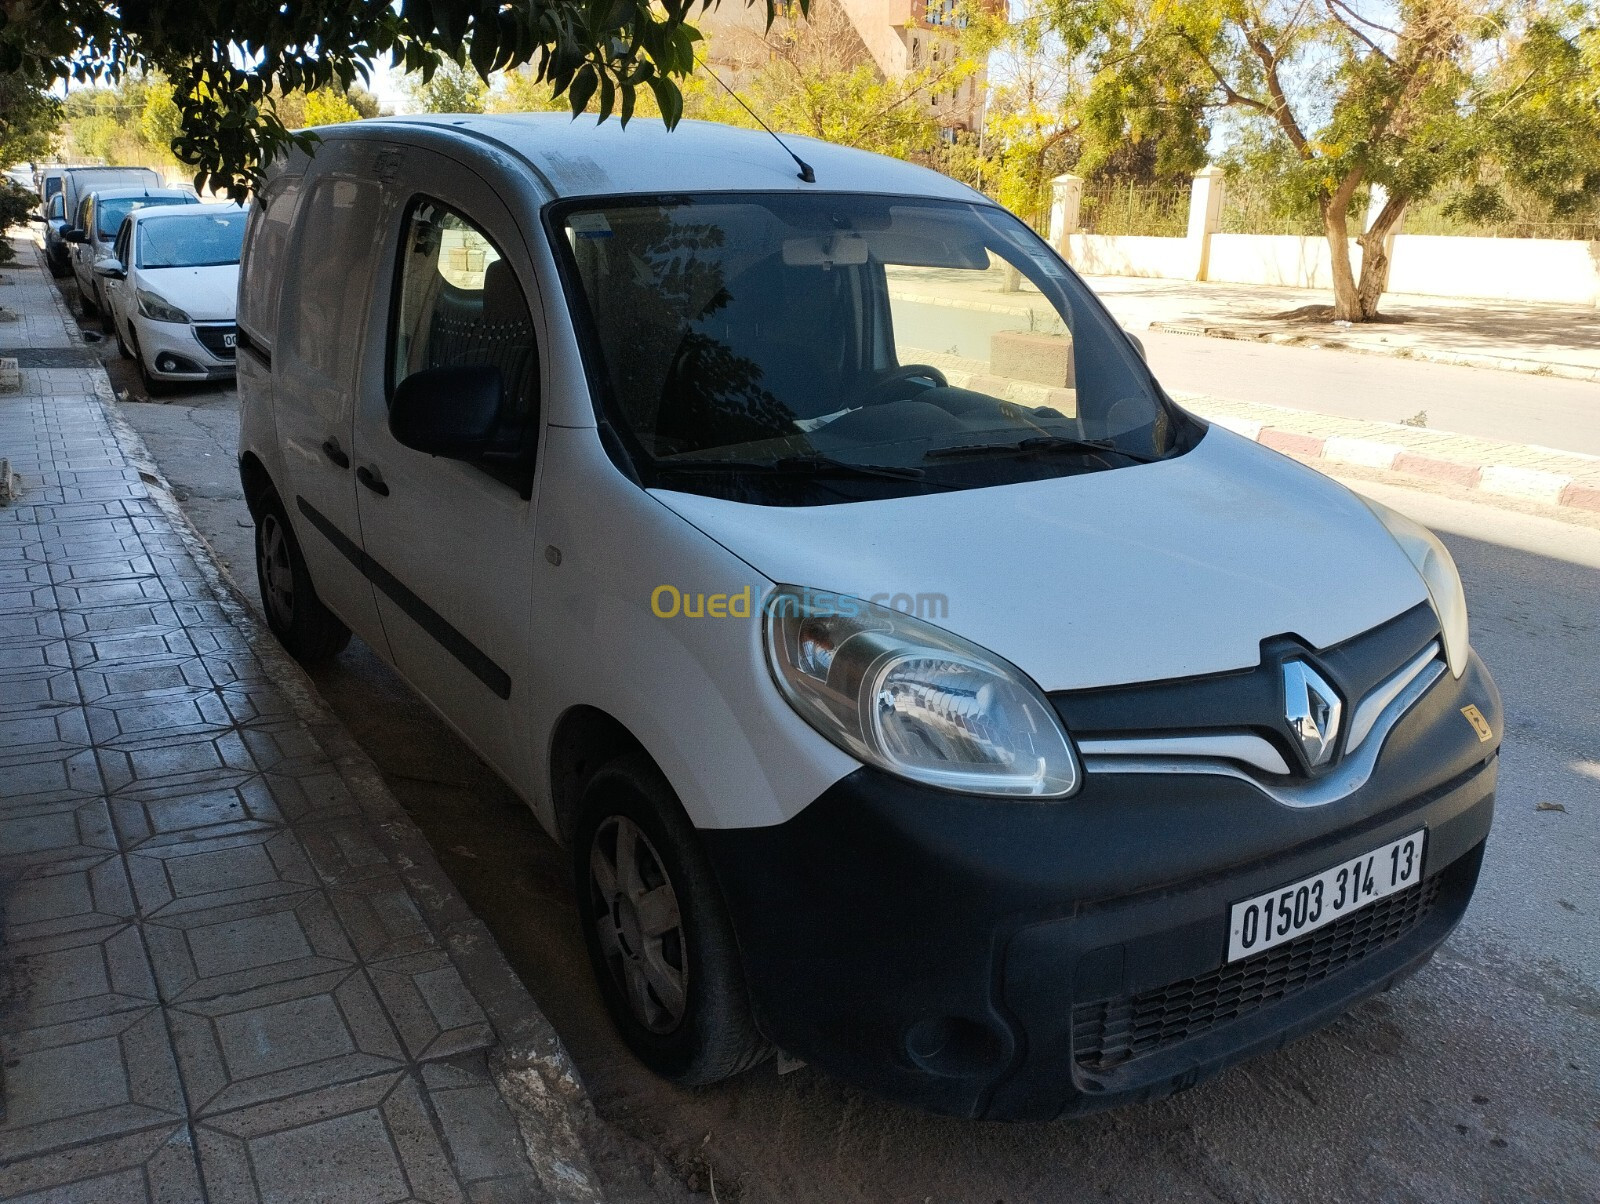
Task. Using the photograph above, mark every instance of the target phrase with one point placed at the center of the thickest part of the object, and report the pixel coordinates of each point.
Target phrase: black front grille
(1105, 1035)
(216, 338)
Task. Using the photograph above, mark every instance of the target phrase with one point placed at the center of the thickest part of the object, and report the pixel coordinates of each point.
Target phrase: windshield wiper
(810, 465)
(1039, 443)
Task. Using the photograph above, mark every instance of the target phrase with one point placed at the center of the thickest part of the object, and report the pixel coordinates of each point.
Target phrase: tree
(326, 106)
(815, 76)
(1407, 95)
(227, 62)
(452, 89)
(28, 120)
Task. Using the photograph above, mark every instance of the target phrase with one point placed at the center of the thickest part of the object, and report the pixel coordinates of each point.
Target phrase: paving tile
(50, 900)
(88, 1080)
(137, 682)
(195, 875)
(370, 1141)
(75, 976)
(245, 946)
(431, 1006)
(222, 803)
(282, 1040)
(381, 918)
(156, 1166)
(73, 834)
(480, 1132)
(30, 690)
(25, 737)
(129, 721)
(51, 775)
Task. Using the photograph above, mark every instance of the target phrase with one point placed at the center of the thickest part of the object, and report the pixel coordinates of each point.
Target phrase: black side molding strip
(430, 620)
(243, 342)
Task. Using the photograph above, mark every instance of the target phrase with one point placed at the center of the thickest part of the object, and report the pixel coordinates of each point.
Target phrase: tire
(86, 300)
(703, 1031)
(58, 266)
(123, 349)
(152, 386)
(303, 625)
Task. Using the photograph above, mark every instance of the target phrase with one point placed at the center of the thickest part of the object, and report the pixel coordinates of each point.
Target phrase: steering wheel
(880, 391)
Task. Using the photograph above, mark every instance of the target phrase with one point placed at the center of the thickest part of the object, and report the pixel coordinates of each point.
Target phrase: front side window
(57, 209)
(459, 304)
(810, 349)
(85, 209)
(191, 240)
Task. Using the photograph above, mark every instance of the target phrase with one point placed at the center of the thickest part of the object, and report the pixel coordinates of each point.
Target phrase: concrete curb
(1513, 471)
(1332, 342)
(530, 1066)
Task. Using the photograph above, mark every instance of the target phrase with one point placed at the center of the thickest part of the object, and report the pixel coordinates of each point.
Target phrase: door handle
(372, 481)
(330, 448)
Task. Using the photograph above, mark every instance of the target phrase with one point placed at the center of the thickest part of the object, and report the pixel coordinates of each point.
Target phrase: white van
(919, 690)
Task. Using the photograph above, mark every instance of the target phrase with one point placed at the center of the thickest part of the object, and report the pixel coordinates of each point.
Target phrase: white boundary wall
(1509, 269)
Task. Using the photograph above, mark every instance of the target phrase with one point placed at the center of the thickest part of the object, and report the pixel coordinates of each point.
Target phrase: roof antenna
(806, 174)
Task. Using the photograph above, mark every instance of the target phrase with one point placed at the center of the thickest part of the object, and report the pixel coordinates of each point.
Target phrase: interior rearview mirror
(452, 412)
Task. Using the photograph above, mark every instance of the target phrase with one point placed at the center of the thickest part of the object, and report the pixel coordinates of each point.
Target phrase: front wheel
(658, 932)
(303, 625)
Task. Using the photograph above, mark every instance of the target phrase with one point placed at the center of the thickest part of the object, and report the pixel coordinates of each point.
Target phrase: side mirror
(450, 412)
(1138, 344)
(111, 269)
(73, 234)
(37, 217)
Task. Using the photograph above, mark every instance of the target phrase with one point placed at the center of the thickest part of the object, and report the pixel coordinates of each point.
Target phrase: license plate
(230, 340)
(1301, 907)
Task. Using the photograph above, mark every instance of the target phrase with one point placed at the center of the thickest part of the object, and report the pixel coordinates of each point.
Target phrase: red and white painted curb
(1503, 480)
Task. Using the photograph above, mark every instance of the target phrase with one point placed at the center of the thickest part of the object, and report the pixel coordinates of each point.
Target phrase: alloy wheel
(277, 573)
(640, 924)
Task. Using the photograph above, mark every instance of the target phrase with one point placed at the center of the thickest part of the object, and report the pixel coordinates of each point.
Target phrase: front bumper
(178, 339)
(1015, 960)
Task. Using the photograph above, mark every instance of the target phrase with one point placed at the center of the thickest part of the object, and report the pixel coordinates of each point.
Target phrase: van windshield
(811, 349)
(111, 210)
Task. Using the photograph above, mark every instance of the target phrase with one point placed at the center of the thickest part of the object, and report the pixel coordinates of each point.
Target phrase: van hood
(205, 294)
(1144, 573)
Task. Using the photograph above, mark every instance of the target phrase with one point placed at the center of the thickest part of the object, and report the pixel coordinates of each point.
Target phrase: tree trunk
(1375, 256)
(1346, 299)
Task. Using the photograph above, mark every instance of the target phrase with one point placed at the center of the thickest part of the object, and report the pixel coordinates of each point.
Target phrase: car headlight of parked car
(159, 310)
(1438, 571)
(915, 700)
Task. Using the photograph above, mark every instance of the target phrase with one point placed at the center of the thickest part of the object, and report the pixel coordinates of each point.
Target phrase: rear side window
(261, 269)
(331, 275)
(459, 303)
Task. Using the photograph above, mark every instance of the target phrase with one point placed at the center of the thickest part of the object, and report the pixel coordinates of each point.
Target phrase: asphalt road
(1477, 1080)
(1512, 407)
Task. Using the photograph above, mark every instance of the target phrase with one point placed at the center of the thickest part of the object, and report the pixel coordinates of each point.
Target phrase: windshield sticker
(589, 225)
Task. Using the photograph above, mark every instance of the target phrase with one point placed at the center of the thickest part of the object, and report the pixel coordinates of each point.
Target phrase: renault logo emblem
(1312, 708)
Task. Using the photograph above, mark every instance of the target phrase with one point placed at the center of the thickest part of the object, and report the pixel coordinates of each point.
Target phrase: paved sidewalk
(1518, 336)
(230, 968)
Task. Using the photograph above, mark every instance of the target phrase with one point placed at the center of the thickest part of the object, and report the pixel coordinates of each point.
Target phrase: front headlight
(1439, 574)
(912, 699)
(158, 309)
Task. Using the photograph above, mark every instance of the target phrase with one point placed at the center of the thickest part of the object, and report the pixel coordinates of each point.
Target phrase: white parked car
(919, 689)
(95, 227)
(172, 281)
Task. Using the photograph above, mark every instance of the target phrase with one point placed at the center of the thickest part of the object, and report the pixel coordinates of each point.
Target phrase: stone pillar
(1205, 217)
(1066, 199)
